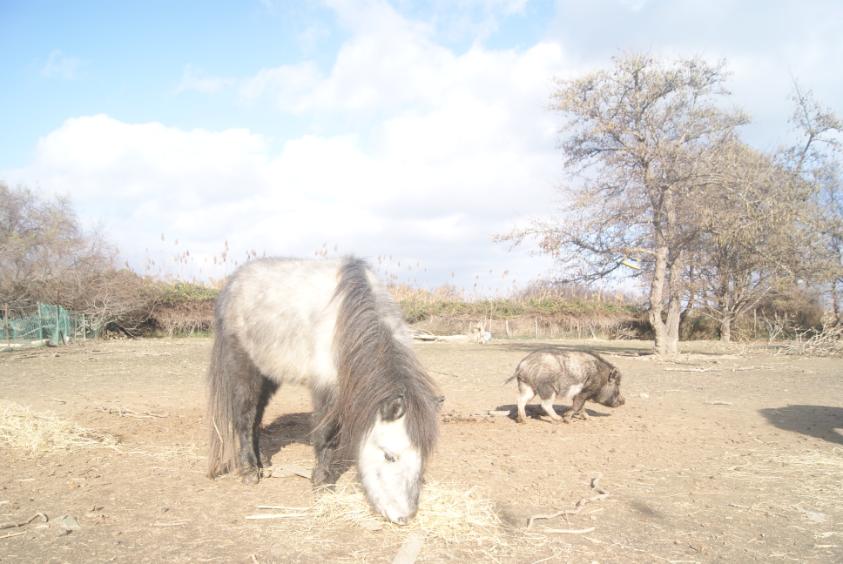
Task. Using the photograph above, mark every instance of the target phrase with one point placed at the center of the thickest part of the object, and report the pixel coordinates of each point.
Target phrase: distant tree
(830, 199)
(754, 233)
(641, 136)
(817, 161)
(46, 256)
(42, 247)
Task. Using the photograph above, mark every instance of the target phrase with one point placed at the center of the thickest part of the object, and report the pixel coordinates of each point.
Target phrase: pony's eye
(388, 457)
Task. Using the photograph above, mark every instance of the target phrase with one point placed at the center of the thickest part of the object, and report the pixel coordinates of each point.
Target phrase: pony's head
(390, 464)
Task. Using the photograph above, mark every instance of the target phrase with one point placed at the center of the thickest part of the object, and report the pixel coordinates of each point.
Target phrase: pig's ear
(614, 375)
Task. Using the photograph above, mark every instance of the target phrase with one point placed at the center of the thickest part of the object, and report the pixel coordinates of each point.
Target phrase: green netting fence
(44, 323)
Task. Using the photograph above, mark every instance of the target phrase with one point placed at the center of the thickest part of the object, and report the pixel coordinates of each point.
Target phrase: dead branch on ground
(125, 412)
(601, 494)
(13, 525)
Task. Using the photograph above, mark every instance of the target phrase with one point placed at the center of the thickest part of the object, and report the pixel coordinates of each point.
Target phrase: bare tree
(42, 246)
(641, 137)
(817, 161)
(830, 200)
(754, 233)
(46, 256)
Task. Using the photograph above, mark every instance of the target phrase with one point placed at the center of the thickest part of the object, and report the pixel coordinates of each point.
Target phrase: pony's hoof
(251, 478)
(520, 420)
(322, 478)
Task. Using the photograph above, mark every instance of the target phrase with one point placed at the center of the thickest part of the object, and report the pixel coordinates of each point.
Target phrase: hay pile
(45, 433)
(447, 513)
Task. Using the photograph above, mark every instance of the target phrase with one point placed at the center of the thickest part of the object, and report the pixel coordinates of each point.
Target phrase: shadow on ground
(535, 411)
(822, 422)
(285, 430)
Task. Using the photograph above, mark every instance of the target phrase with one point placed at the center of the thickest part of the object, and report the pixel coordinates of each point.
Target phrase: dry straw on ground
(45, 433)
(447, 513)
(452, 514)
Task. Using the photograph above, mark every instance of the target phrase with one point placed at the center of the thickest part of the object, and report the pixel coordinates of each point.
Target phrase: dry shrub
(45, 433)
(828, 341)
(184, 318)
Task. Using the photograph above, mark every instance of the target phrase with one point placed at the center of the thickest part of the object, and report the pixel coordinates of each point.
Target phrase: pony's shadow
(287, 429)
(535, 411)
(820, 421)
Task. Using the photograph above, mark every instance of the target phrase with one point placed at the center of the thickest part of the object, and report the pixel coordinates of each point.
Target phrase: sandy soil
(722, 455)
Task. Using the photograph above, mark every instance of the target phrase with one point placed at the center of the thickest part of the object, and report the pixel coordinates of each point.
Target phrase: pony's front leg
(250, 402)
(325, 439)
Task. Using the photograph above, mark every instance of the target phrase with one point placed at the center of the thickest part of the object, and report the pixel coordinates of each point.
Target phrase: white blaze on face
(390, 470)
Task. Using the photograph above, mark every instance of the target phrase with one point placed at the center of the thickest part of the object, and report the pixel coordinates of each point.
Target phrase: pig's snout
(619, 401)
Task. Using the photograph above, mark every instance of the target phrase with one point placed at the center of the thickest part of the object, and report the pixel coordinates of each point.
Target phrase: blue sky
(406, 130)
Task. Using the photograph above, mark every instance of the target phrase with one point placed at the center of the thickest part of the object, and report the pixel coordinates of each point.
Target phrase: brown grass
(45, 433)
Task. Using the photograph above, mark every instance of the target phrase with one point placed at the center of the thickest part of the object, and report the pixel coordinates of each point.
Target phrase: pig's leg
(525, 394)
(576, 409)
(547, 405)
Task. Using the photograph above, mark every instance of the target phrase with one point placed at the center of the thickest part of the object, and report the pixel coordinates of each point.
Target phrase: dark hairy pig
(575, 375)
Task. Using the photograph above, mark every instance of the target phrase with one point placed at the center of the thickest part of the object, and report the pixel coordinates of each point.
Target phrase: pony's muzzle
(401, 519)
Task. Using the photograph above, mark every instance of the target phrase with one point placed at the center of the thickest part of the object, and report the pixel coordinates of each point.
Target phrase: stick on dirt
(569, 531)
(12, 525)
(265, 516)
(601, 494)
(124, 412)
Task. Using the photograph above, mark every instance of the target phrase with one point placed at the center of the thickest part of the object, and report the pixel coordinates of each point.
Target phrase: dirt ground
(729, 455)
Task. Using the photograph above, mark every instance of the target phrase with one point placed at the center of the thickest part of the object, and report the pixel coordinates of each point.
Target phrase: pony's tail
(510, 379)
(222, 449)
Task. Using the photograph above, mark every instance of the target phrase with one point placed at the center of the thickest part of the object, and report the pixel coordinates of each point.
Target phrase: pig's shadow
(820, 421)
(535, 411)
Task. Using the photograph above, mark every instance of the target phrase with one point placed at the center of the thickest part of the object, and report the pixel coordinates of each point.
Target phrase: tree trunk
(656, 306)
(674, 306)
(726, 328)
(672, 326)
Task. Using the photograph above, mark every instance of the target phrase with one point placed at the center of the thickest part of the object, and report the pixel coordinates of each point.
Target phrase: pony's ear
(393, 408)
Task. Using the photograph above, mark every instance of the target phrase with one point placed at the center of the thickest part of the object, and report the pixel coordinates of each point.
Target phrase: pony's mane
(374, 367)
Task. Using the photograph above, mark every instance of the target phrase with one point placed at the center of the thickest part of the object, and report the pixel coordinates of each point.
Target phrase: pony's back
(283, 314)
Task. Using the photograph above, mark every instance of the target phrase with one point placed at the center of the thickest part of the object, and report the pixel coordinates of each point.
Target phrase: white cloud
(452, 149)
(195, 80)
(409, 199)
(59, 65)
(288, 86)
